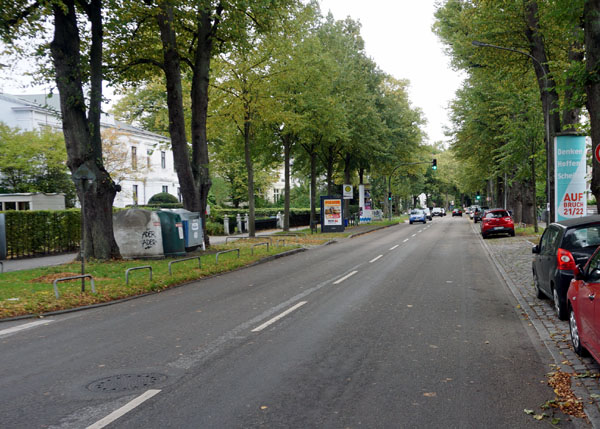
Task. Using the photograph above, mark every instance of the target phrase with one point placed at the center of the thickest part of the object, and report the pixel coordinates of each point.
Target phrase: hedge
(40, 232)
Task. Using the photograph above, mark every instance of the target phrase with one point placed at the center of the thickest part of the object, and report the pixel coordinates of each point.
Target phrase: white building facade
(138, 160)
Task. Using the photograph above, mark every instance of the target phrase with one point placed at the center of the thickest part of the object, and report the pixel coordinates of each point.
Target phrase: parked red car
(497, 221)
(584, 317)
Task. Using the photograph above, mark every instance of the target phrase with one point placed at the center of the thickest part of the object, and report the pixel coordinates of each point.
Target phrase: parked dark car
(584, 314)
(456, 212)
(497, 221)
(563, 246)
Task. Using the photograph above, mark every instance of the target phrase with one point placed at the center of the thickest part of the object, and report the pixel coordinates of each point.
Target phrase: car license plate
(498, 227)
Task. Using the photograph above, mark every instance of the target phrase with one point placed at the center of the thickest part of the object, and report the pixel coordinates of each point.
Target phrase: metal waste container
(172, 233)
(192, 228)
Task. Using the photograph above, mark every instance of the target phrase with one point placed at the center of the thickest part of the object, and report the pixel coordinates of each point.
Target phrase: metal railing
(83, 276)
(226, 251)
(259, 244)
(128, 270)
(183, 260)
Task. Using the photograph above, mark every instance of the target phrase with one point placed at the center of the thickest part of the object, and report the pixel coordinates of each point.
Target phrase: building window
(163, 159)
(148, 162)
(134, 157)
(276, 195)
(166, 189)
(135, 195)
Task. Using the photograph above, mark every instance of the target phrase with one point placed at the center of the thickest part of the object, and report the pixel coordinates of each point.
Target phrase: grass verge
(31, 292)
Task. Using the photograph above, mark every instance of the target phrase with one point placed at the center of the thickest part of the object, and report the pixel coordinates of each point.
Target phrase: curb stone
(512, 258)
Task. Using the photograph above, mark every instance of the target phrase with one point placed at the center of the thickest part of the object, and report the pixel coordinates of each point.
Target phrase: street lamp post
(546, 109)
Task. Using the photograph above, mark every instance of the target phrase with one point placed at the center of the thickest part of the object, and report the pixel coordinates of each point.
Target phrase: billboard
(332, 219)
(569, 176)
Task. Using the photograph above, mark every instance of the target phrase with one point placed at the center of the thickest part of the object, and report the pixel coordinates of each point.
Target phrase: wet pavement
(512, 256)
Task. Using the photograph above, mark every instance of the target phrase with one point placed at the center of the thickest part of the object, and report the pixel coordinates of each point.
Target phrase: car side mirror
(535, 249)
(579, 273)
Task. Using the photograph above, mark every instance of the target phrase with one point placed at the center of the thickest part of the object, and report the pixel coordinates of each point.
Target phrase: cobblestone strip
(512, 256)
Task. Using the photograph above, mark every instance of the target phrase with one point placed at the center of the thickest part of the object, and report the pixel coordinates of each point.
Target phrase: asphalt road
(409, 326)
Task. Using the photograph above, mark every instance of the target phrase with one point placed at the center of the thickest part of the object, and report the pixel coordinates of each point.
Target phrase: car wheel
(559, 307)
(410, 221)
(512, 233)
(536, 283)
(575, 339)
(484, 235)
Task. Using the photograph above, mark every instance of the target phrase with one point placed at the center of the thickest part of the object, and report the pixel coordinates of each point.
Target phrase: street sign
(347, 192)
(597, 153)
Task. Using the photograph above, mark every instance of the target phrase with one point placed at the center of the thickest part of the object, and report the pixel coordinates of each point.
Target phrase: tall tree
(76, 64)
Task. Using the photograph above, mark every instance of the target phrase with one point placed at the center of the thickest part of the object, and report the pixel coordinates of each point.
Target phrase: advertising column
(332, 214)
(569, 176)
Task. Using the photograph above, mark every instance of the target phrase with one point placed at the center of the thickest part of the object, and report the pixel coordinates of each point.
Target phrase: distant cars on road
(417, 215)
(563, 246)
(456, 212)
(437, 211)
(497, 221)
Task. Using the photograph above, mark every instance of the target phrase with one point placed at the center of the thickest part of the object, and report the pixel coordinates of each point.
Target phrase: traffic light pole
(433, 163)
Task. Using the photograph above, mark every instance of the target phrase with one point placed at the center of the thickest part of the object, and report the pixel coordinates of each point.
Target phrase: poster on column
(332, 214)
(569, 176)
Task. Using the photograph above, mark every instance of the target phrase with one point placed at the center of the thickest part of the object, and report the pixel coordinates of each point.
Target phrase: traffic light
(389, 196)
(434, 164)
(477, 196)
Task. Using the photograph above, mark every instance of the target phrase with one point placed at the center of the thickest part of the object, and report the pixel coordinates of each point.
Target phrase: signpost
(86, 176)
(569, 176)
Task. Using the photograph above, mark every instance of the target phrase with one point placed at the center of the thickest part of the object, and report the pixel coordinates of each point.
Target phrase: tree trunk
(179, 144)
(287, 148)
(313, 186)
(592, 50)
(199, 96)
(82, 133)
(249, 170)
(547, 86)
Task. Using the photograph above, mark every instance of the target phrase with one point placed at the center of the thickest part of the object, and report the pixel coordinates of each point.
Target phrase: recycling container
(192, 228)
(138, 234)
(172, 233)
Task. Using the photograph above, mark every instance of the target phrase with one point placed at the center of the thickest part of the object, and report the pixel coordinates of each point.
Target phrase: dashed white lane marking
(124, 409)
(374, 259)
(414, 235)
(337, 282)
(406, 240)
(24, 326)
(419, 231)
(280, 316)
(392, 248)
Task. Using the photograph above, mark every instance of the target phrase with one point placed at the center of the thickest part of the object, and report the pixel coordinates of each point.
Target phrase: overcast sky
(399, 39)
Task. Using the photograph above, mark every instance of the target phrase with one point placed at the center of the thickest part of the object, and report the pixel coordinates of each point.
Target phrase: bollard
(279, 220)
(238, 219)
(247, 222)
(226, 224)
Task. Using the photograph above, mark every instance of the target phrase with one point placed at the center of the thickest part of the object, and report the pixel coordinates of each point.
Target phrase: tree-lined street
(409, 326)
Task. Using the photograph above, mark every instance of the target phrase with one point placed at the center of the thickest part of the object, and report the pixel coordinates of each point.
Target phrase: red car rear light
(565, 260)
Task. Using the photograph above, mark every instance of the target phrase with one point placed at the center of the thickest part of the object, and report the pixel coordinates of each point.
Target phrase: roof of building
(50, 103)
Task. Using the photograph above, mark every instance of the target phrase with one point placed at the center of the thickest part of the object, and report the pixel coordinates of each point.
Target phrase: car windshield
(496, 214)
(415, 212)
(577, 238)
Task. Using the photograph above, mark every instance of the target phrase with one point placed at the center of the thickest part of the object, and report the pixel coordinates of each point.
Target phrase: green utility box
(172, 233)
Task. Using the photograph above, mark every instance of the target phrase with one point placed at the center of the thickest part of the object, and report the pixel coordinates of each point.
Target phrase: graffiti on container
(148, 239)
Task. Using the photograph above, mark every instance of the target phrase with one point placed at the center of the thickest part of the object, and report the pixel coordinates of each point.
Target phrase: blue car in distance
(417, 215)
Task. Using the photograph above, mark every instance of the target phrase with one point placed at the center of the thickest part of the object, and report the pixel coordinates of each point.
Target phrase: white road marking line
(419, 231)
(392, 248)
(374, 259)
(406, 240)
(24, 326)
(414, 235)
(124, 409)
(276, 318)
(337, 282)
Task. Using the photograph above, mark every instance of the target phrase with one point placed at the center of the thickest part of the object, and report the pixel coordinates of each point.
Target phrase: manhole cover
(124, 382)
